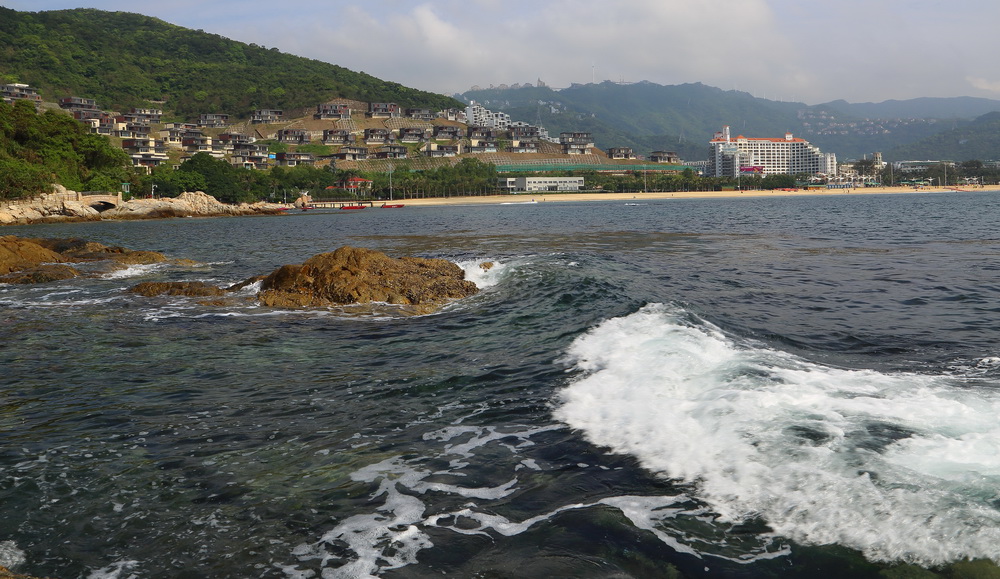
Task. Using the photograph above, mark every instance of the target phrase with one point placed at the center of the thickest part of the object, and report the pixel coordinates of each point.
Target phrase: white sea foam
(900, 466)
(136, 270)
(119, 570)
(10, 556)
(397, 530)
(484, 278)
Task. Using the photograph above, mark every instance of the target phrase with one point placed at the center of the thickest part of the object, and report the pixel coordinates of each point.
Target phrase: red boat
(349, 207)
(391, 205)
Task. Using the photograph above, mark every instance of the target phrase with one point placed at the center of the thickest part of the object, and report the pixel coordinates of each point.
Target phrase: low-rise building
(421, 114)
(576, 143)
(213, 121)
(352, 154)
(620, 153)
(333, 111)
(290, 159)
(378, 136)
(412, 135)
(383, 110)
(523, 147)
(664, 157)
(391, 152)
(541, 184)
(17, 91)
(435, 151)
(337, 137)
(266, 116)
(447, 132)
(293, 136)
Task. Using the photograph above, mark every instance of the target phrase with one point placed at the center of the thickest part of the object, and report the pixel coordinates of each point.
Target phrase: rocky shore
(347, 276)
(62, 206)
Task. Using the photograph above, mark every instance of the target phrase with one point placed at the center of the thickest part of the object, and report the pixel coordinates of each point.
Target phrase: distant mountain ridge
(682, 118)
(125, 60)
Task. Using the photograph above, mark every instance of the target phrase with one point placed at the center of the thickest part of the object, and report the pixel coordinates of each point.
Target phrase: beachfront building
(732, 156)
(541, 184)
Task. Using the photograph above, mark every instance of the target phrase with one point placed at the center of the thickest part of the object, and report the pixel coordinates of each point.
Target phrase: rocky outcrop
(349, 275)
(352, 275)
(177, 288)
(75, 249)
(24, 260)
(18, 254)
(59, 205)
(64, 205)
(196, 204)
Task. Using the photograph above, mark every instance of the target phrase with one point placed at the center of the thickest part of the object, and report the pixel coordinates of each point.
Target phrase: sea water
(744, 387)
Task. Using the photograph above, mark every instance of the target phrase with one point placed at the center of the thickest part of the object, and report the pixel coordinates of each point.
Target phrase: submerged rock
(176, 288)
(44, 273)
(352, 275)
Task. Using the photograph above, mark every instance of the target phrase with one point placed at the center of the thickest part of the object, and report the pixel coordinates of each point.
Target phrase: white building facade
(477, 116)
(731, 156)
(541, 184)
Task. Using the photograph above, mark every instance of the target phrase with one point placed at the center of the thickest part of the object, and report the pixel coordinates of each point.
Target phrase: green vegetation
(125, 60)
(231, 184)
(37, 150)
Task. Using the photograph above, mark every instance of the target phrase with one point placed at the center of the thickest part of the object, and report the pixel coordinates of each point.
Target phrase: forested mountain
(964, 142)
(125, 60)
(919, 108)
(647, 116)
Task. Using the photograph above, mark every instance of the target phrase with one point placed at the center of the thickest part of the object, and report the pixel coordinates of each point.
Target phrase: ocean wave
(902, 467)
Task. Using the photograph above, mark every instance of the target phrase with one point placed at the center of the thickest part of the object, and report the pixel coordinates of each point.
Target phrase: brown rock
(41, 274)
(75, 249)
(176, 288)
(352, 275)
(17, 254)
(6, 573)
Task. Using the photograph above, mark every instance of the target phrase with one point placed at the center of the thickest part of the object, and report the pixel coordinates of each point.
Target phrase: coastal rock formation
(177, 288)
(75, 249)
(24, 260)
(18, 254)
(196, 204)
(65, 205)
(352, 275)
(60, 205)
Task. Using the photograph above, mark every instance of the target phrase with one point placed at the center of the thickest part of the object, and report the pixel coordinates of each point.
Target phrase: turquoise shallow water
(743, 387)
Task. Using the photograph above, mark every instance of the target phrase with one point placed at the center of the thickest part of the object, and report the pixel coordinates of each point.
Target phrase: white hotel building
(731, 156)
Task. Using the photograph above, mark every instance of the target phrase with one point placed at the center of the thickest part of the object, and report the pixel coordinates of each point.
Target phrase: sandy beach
(576, 197)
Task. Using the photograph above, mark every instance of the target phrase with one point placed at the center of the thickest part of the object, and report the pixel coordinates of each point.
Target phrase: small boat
(391, 205)
(350, 207)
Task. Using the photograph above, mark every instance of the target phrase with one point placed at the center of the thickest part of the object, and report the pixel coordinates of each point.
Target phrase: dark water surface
(761, 387)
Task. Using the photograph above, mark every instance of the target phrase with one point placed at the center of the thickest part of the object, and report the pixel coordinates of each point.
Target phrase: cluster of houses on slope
(486, 132)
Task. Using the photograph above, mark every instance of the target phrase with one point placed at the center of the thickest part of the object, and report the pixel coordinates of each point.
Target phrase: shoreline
(541, 197)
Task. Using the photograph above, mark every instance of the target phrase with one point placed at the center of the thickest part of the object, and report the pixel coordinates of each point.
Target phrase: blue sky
(802, 50)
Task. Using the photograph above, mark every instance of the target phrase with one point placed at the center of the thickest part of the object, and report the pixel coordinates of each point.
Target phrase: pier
(340, 204)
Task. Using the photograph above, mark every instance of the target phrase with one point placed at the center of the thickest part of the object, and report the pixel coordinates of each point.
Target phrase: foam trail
(900, 466)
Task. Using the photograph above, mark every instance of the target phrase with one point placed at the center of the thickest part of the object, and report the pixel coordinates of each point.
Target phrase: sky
(807, 51)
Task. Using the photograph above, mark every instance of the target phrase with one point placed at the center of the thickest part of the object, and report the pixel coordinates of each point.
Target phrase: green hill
(979, 139)
(125, 60)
